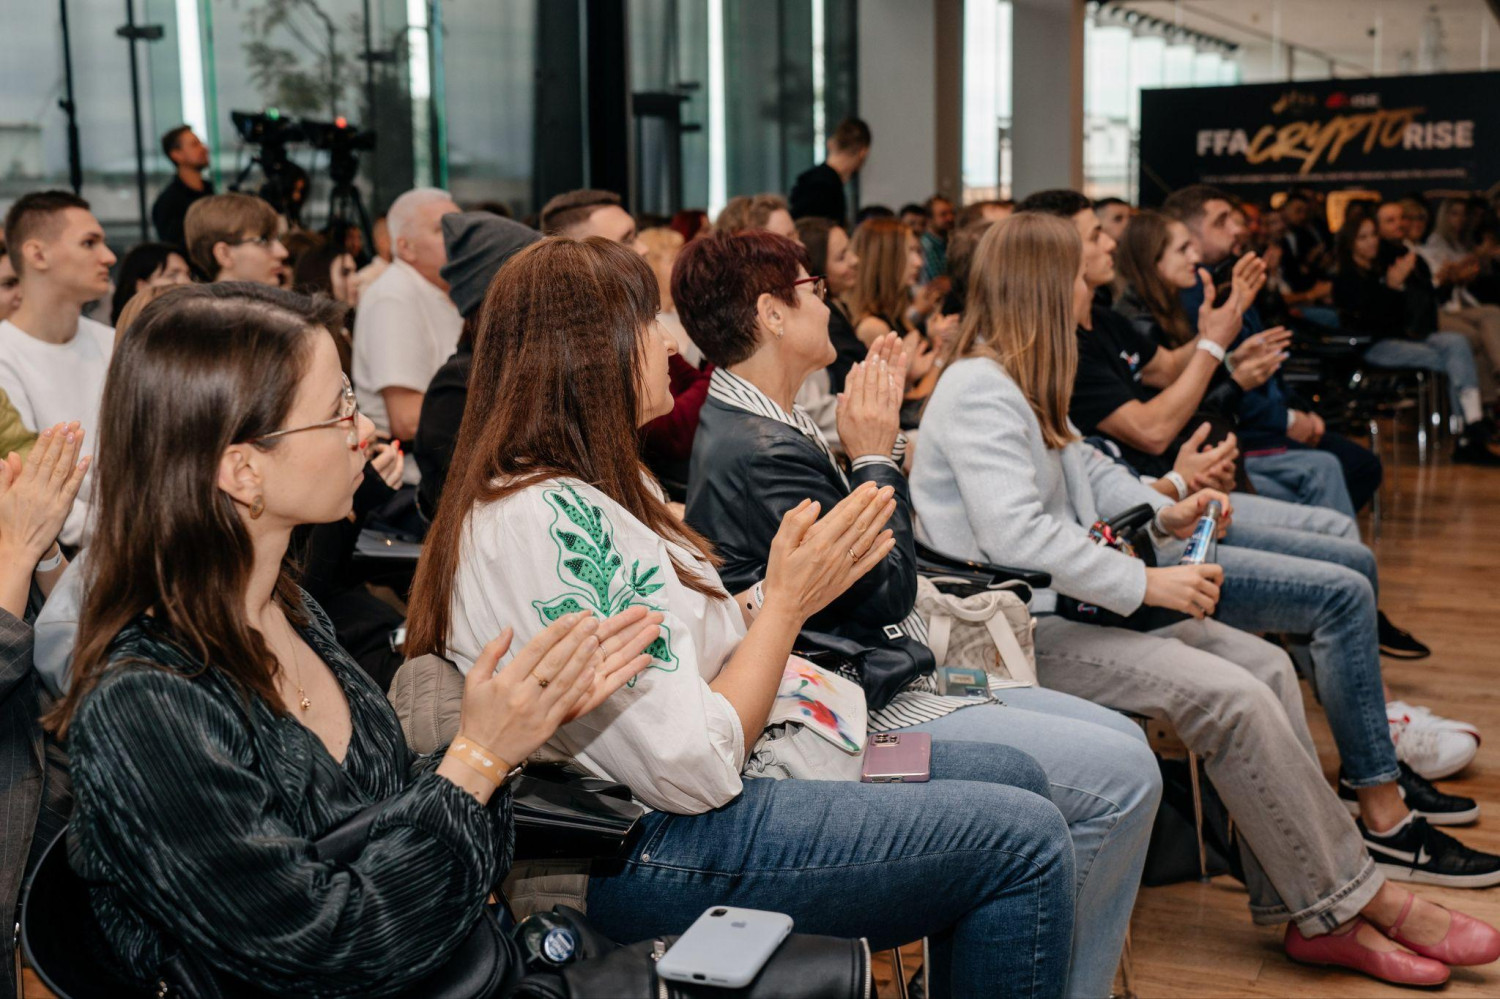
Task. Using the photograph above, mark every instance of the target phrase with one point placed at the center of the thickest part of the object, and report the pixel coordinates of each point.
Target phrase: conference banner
(1393, 134)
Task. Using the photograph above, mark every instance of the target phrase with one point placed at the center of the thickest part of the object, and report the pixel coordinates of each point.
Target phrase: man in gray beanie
(479, 244)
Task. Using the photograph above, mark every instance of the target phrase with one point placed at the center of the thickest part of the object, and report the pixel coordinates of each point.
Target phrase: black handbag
(561, 813)
(803, 967)
(1125, 533)
(882, 670)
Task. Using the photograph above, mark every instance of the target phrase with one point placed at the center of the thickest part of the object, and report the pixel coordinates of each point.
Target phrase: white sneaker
(1434, 746)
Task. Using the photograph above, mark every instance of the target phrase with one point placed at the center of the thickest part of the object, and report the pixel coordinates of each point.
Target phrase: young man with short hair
(52, 359)
(234, 237)
(407, 326)
(1114, 216)
(1281, 441)
(189, 155)
(940, 218)
(819, 191)
(589, 212)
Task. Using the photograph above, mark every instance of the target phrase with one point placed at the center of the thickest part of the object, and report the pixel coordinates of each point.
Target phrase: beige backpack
(990, 630)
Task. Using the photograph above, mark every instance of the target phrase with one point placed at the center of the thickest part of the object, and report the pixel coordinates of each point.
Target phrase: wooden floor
(1439, 552)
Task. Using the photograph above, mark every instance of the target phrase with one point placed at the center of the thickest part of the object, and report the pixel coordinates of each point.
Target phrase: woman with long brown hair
(1002, 476)
(554, 512)
(216, 727)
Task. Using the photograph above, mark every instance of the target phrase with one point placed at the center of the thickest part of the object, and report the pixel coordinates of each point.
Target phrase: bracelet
(47, 565)
(1211, 349)
(759, 594)
(479, 759)
(1229, 363)
(1178, 483)
(1158, 530)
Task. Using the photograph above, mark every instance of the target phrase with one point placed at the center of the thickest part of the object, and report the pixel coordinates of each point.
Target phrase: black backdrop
(1390, 134)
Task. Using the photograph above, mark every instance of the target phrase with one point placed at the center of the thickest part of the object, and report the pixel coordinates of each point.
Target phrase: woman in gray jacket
(1001, 475)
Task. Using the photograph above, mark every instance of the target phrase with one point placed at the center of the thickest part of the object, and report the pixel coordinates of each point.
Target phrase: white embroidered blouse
(563, 546)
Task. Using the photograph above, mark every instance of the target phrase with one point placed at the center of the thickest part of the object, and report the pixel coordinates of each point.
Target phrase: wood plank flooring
(1439, 553)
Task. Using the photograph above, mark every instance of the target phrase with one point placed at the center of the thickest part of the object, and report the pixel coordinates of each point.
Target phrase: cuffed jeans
(1105, 781)
(1234, 700)
(1446, 353)
(977, 860)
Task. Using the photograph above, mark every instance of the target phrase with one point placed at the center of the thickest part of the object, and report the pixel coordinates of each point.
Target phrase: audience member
(881, 302)
(1371, 293)
(189, 157)
(819, 190)
(1278, 432)
(35, 497)
(236, 237)
(215, 725)
(148, 265)
(667, 442)
(584, 213)
(477, 245)
(867, 212)
(831, 254)
(1002, 476)
(138, 302)
(382, 259)
(407, 325)
(1114, 216)
(52, 359)
(913, 216)
(10, 285)
(761, 319)
(550, 444)
(762, 211)
(934, 238)
(961, 247)
(327, 269)
(1453, 268)
(991, 211)
(1305, 257)
(690, 223)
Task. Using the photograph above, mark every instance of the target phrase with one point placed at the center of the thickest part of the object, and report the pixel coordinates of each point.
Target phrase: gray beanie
(478, 244)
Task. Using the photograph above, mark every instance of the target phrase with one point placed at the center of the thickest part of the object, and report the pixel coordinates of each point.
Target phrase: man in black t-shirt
(188, 153)
(819, 192)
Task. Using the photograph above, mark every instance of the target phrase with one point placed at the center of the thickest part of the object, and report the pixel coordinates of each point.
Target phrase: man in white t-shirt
(406, 326)
(53, 359)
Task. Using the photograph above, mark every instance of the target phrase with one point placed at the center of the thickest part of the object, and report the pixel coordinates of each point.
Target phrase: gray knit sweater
(986, 487)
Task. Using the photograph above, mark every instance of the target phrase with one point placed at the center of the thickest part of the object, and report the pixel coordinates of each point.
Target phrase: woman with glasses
(236, 237)
(757, 456)
(216, 726)
(549, 509)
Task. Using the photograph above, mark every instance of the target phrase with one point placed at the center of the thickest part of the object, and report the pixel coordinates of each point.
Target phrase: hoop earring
(257, 507)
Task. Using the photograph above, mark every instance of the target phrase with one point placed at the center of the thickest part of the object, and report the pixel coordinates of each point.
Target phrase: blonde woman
(1003, 477)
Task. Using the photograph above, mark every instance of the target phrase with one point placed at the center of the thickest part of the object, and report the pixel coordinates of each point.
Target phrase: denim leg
(984, 870)
(1264, 591)
(1106, 782)
(1445, 353)
(1362, 469)
(1303, 544)
(1301, 476)
(1234, 700)
(1266, 511)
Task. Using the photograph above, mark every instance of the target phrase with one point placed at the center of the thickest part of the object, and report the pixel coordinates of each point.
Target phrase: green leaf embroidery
(593, 564)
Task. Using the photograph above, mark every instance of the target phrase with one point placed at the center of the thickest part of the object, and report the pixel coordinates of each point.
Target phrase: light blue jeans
(1301, 475)
(977, 860)
(1107, 785)
(1251, 509)
(1446, 353)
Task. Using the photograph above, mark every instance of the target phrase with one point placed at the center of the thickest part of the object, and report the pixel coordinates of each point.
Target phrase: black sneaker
(1424, 800)
(1470, 451)
(1399, 644)
(1424, 855)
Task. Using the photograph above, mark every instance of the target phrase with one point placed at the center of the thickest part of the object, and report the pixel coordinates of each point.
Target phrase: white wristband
(47, 565)
(1178, 483)
(1211, 349)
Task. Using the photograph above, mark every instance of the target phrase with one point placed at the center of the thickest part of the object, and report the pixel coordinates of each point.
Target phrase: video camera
(338, 135)
(267, 128)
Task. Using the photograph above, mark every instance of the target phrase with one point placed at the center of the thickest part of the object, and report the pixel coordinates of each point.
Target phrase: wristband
(479, 759)
(1229, 363)
(1157, 530)
(1211, 349)
(1178, 483)
(47, 565)
(758, 593)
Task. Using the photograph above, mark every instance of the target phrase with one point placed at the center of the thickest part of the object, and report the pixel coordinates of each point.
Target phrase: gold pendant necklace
(303, 701)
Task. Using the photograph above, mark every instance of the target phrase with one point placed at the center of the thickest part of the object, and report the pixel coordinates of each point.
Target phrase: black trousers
(1363, 470)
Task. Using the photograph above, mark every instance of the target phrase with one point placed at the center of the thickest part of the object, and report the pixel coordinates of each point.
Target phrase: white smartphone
(725, 946)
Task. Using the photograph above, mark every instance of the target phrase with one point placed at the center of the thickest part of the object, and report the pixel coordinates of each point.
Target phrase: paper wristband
(481, 760)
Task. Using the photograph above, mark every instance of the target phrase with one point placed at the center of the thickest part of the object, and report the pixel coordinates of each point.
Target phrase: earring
(779, 332)
(257, 507)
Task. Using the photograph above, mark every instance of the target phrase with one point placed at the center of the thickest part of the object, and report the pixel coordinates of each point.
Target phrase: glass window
(986, 100)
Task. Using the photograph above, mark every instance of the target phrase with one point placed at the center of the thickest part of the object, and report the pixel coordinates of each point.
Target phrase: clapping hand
(1220, 324)
(37, 494)
(1248, 278)
(1259, 357)
(869, 408)
(813, 561)
(1207, 467)
(388, 461)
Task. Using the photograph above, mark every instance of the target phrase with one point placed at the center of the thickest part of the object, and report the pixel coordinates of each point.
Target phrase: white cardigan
(562, 546)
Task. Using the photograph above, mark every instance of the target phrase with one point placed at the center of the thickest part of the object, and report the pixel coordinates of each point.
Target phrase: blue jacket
(1262, 423)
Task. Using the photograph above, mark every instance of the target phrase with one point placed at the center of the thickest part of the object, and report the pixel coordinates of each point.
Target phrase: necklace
(302, 701)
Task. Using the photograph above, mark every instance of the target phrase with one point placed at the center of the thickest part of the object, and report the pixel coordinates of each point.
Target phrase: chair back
(60, 937)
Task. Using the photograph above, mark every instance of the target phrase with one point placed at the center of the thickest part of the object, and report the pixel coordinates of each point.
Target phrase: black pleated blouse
(195, 809)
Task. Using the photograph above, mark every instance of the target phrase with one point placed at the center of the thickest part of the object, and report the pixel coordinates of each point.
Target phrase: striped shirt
(920, 701)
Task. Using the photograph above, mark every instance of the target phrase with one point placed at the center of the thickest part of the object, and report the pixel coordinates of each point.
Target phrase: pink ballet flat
(1468, 941)
(1342, 950)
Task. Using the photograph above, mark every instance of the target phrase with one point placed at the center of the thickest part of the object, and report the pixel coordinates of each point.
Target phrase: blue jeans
(1305, 476)
(1267, 511)
(977, 860)
(1446, 353)
(1107, 785)
(1330, 595)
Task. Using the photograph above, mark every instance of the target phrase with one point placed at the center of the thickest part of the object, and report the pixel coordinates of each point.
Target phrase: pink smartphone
(898, 758)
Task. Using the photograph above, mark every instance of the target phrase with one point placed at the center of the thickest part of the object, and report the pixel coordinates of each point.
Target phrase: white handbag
(991, 630)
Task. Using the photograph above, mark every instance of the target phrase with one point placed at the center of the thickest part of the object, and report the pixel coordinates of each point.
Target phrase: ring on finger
(542, 682)
(856, 556)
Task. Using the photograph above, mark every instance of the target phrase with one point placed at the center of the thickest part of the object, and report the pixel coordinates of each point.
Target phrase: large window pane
(489, 62)
(986, 100)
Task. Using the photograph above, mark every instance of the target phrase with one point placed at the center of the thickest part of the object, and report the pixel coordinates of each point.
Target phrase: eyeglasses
(819, 286)
(348, 413)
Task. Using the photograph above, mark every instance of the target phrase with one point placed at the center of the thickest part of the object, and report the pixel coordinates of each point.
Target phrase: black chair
(60, 938)
(957, 575)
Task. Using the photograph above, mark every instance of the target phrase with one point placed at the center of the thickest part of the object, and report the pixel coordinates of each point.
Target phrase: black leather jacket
(748, 471)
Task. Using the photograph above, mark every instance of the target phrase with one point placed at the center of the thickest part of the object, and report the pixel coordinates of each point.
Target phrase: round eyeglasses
(348, 413)
(819, 286)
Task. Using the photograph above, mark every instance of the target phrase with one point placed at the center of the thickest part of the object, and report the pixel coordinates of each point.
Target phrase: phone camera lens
(719, 912)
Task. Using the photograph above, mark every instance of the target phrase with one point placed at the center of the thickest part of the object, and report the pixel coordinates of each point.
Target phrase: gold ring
(854, 556)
